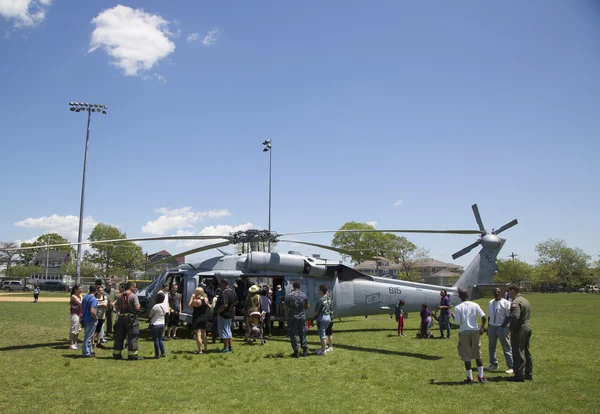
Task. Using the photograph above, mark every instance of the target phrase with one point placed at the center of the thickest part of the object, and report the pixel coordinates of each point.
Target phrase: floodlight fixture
(267, 148)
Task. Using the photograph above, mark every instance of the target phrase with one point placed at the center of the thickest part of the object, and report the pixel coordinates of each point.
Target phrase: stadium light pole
(268, 149)
(89, 108)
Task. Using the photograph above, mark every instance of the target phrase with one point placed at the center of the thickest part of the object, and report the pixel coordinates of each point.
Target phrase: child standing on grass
(425, 314)
(399, 312)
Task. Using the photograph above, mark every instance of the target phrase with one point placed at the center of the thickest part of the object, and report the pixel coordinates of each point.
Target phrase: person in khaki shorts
(469, 343)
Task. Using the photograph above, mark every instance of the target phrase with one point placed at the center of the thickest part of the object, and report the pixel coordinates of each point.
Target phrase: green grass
(370, 370)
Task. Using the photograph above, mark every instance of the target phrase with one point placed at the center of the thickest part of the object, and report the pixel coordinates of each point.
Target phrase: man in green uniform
(127, 324)
(520, 335)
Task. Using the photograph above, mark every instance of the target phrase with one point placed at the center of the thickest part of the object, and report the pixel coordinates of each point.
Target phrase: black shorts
(99, 326)
(173, 319)
(199, 324)
(329, 328)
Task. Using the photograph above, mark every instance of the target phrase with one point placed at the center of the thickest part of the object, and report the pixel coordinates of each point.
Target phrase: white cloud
(179, 218)
(66, 226)
(397, 203)
(24, 12)
(192, 37)
(211, 37)
(136, 40)
(372, 223)
(220, 230)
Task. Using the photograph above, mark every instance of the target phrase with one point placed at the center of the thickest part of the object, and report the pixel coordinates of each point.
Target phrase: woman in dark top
(199, 303)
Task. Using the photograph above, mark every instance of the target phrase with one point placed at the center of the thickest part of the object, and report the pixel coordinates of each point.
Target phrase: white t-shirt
(158, 313)
(498, 310)
(466, 314)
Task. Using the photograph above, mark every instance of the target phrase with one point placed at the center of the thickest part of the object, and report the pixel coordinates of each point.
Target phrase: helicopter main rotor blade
(506, 226)
(478, 218)
(385, 231)
(465, 250)
(128, 240)
(335, 249)
(196, 250)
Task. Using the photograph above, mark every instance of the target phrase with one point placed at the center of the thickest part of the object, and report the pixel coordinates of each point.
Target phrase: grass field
(370, 370)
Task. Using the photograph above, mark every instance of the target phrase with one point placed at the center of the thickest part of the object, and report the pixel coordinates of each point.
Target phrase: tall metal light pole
(89, 108)
(268, 149)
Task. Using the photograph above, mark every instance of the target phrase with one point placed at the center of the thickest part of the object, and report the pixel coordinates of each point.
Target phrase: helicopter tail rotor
(490, 240)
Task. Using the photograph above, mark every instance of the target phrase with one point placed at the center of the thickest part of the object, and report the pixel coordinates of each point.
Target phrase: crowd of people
(508, 321)
(214, 310)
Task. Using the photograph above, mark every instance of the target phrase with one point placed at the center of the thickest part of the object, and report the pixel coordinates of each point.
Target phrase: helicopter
(353, 293)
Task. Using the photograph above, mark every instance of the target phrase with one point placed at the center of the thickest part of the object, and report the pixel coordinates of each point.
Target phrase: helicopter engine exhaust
(286, 263)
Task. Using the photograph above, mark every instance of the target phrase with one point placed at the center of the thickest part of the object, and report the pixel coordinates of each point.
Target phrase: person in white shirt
(499, 312)
(157, 323)
(469, 343)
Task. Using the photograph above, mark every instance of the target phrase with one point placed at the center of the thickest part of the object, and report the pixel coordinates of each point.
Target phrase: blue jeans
(157, 338)
(444, 321)
(90, 328)
(322, 325)
(495, 333)
(224, 327)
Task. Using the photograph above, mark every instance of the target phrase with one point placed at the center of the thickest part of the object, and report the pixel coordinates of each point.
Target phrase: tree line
(557, 264)
(102, 260)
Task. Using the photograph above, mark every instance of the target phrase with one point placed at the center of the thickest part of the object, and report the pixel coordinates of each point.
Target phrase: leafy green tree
(28, 256)
(568, 266)
(361, 244)
(88, 269)
(114, 259)
(513, 271)
(394, 248)
(6, 254)
(23, 271)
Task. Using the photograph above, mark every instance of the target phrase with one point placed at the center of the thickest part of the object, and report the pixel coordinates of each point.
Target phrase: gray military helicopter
(354, 293)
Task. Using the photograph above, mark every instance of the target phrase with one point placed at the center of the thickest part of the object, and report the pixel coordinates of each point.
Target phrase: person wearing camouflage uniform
(296, 304)
(520, 335)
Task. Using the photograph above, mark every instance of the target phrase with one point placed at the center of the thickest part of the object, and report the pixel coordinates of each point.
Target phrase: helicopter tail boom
(481, 271)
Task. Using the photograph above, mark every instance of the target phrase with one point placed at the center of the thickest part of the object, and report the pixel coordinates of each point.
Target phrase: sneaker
(73, 347)
(529, 377)
(305, 352)
(320, 352)
(295, 354)
(468, 381)
(100, 346)
(103, 341)
(156, 356)
(509, 371)
(165, 339)
(230, 349)
(163, 355)
(224, 351)
(491, 367)
(135, 358)
(328, 349)
(482, 380)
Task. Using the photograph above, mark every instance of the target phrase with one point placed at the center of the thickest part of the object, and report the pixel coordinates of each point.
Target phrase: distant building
(55, 260)
(431, 271)
(153, 271)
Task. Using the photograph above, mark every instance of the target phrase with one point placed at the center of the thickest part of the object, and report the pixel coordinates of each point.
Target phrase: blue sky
(436, 105)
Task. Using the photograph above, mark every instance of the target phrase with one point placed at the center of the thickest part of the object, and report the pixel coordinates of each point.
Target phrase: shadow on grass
(55, 345)
(377, 351)
(487, 379)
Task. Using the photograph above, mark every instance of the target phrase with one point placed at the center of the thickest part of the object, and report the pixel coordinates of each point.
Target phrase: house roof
(165, 254)
(52, 255)
(444, 273)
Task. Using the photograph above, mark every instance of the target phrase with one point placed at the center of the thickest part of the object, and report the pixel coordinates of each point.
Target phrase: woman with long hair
(101, 314)
(75, 305)
(199, 303)
(157, 323)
